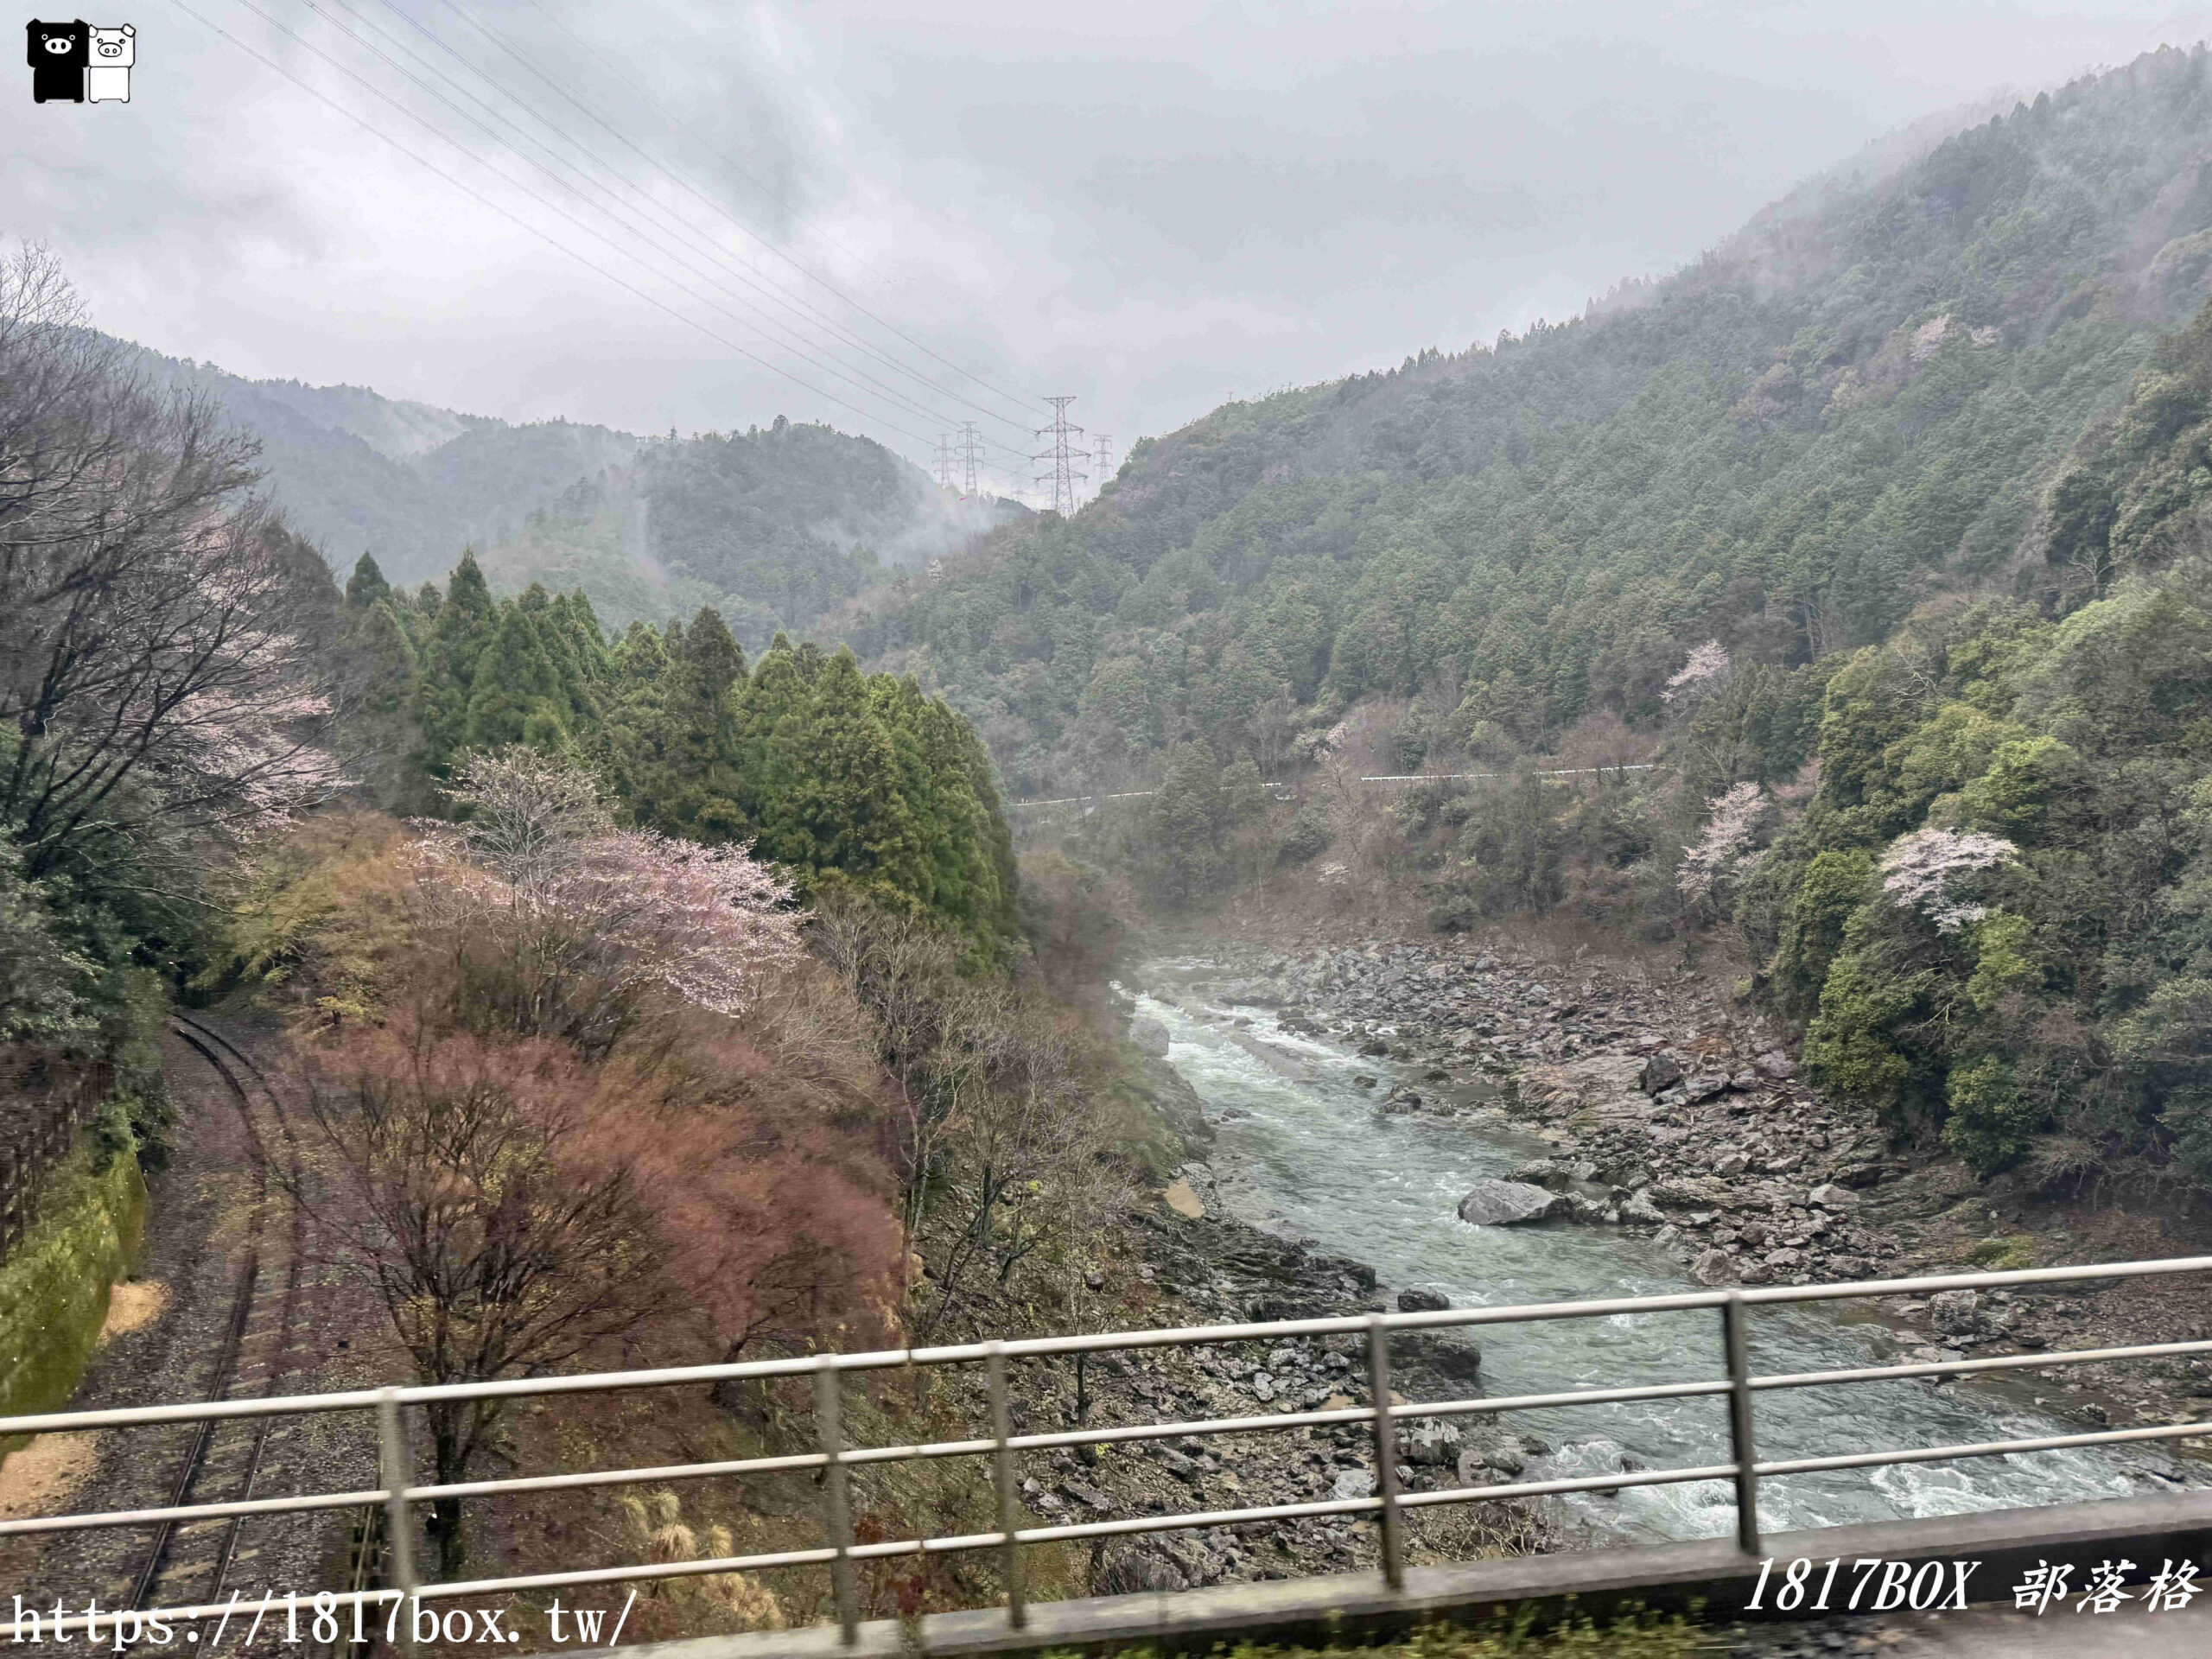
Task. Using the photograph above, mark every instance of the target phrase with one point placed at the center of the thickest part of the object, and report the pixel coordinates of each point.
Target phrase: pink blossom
(1921, 872)
(1729, 832)
(1707, 671)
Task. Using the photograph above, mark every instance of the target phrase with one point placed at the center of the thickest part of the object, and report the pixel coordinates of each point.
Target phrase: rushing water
(1303, 1148)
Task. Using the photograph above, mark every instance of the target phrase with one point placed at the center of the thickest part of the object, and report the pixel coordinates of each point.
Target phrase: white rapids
(1303, 1151)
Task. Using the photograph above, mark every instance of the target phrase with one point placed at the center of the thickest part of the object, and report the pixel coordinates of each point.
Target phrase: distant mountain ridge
(774, 526)
(356, 472)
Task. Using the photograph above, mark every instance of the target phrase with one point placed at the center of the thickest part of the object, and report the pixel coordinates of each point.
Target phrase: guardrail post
(397, 1467)
(837, 1499)
(1740, 1423)
(1017, 1600)
(1386, 1453)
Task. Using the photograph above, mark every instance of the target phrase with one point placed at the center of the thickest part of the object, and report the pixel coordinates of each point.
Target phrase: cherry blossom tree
(1725, 845)
(1923, 871)
(537, 872)
(1707, 671)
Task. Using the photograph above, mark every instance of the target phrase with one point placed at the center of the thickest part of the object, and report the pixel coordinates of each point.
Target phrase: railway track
(259, 1349)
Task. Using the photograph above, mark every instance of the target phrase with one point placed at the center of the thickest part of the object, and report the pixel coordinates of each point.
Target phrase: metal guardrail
(398, 1496)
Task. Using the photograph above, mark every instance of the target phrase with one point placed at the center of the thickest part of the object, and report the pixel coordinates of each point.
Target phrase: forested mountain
(774, 526)
(1854, 405)
(355, 472)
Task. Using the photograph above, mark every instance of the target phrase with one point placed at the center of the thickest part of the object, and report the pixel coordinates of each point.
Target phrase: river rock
(1713, 1267)
(1658, 1072)
(1956, 1313)
(1422, 1299)
(1639, 1210)
(1452, 1357)
(1354, 1483)
(1430, 1442)
(1150, 1035)
(1510, 1204)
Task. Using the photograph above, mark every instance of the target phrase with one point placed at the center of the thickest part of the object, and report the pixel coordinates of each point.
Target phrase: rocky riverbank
(1182, 1269)
(1669, 1109)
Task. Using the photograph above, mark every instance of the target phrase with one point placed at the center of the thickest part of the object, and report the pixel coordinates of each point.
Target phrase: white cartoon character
(114, 50)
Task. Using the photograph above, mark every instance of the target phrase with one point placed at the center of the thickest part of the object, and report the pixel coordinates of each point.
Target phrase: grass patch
(2003, 1253)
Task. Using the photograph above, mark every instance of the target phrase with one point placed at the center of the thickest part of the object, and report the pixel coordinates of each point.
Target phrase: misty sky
(1154, 207)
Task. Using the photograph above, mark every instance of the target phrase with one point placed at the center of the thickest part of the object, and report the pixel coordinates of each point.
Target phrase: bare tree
(504, 1230)
(156, 658)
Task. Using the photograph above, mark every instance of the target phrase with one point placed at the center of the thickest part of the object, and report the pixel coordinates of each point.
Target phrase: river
(1303, 1150)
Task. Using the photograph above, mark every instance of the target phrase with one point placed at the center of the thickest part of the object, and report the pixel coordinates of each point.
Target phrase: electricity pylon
(1104, 441)
(1063, 477)
(945, 463)
(971, 451)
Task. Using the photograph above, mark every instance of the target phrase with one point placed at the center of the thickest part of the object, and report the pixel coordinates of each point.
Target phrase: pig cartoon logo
(107, 77)
(59, 54)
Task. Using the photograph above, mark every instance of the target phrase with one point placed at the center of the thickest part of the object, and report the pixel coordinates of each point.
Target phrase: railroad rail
(255, 1353)
(1382, 1417)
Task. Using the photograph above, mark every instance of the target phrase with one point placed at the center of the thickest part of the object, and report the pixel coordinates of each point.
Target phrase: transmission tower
(945, 463)
(971, 451)
(1105, 460)
(1063, 478)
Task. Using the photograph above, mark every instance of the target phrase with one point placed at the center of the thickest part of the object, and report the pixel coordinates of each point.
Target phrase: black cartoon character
(59, 55)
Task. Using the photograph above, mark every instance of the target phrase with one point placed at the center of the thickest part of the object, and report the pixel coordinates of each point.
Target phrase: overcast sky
(1155, 208)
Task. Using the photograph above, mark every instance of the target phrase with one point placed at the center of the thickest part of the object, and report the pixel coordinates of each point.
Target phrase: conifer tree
(515, 688)
(366, 585)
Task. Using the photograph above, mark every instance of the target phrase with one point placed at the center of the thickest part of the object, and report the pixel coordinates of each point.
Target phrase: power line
(805, 349)
(1063, 477)
(508, 214)
(600, 57)
(685, 183)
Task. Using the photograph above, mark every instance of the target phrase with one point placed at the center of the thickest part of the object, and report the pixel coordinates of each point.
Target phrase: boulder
(1430, 1442)
(1639, 1210)
(1775, 1065)
(1714, 1267)
(1422, 1299)
(1150, 1035)
(1452, 1357)
(1510, 1204)
(1704, 1086)
(1354, 1483)
(1829, 1196)
(1956, 1313)
(1481, 1468)
(1659, 1071)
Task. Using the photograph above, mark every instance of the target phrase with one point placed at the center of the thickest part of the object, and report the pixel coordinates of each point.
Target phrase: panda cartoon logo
(59, 54)
(114, 50)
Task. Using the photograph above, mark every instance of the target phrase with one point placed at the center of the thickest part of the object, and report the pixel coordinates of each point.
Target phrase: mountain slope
(775, 525)
(1852, 405)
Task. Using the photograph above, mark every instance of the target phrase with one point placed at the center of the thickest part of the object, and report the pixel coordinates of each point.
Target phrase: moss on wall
(55, 1285)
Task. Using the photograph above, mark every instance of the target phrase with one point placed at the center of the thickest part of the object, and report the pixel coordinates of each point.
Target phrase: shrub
(1990, 1122)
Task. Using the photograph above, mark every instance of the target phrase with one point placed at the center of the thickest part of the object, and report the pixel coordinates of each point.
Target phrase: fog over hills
(774, 526)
